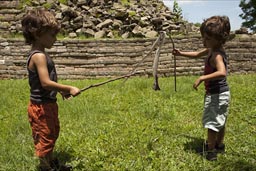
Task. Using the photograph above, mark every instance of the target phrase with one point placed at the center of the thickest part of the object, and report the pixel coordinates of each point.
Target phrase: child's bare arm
(190, 54)
(221, 72)
(40, 64)
(220, 67)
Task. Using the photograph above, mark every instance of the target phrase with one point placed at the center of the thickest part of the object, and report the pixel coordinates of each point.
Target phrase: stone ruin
(101, 18)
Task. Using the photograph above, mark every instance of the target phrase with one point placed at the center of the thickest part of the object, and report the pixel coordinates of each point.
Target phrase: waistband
(41, 103)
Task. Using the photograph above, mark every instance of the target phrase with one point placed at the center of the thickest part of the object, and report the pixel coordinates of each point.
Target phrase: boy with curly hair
(215, 32)
(40, 29)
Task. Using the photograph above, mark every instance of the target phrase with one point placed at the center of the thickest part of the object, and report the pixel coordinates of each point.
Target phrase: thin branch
(108, 81)
(156, 61)
(174, 57)
(144, 58)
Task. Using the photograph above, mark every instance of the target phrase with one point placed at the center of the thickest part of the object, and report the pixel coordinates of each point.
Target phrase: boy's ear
(36, 35)
(32, 29)
(33, 32)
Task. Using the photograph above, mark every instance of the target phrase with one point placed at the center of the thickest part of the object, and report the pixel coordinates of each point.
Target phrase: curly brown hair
(216, 26)
(37, 21)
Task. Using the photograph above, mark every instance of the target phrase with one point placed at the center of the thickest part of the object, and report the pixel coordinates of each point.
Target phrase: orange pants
(44, 121)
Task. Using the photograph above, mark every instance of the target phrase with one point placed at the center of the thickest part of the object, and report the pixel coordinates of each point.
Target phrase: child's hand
(72, 93)
(176, 52)
(64, 95)
(197, 83)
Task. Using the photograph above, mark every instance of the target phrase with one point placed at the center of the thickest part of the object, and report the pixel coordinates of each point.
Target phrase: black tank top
(219, 85)
(37, 93)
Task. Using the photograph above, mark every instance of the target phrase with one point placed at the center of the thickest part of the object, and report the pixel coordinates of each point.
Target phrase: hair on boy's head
(216, 26)
(37, 21)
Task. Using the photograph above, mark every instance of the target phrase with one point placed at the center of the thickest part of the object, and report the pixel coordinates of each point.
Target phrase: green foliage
(177, 11)
(111, 11)
(197, 24)
(125, 2)
(23, 3)
(249, 14)
(47, 5)
(63, 1)
(15, 35)
(132, 13)
(129, 126)
(116, 34)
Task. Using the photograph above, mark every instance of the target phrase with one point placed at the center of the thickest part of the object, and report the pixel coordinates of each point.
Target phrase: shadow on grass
(236, 162)
(239, 161)
(63, 156)
(195, 145)
(67, 157)
(237, 165)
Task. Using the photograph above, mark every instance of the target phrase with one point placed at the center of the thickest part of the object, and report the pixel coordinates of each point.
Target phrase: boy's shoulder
(38, 57)
(32, 52)
(218, 52)
(37, 54)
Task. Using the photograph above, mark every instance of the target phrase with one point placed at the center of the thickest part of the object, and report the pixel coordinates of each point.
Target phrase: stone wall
(80, 59)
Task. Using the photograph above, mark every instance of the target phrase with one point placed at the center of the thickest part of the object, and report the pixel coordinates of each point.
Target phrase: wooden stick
(144, 58)
(108, 81)
(156, 61)
(174, 57)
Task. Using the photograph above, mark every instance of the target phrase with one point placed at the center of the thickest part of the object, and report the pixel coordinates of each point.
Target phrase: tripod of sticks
(158, 43)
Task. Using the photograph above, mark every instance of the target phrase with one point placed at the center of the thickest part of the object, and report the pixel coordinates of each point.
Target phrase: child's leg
(45, 129)
(211, 154)
(211, 139)
(45, 161)
(220, 136)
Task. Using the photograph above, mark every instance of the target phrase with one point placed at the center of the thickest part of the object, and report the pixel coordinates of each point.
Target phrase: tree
(177, 11)
(249, 14)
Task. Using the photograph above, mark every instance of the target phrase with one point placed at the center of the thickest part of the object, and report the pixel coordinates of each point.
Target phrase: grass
(130, 127)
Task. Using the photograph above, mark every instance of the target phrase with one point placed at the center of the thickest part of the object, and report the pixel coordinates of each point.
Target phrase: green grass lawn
(131, 127)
